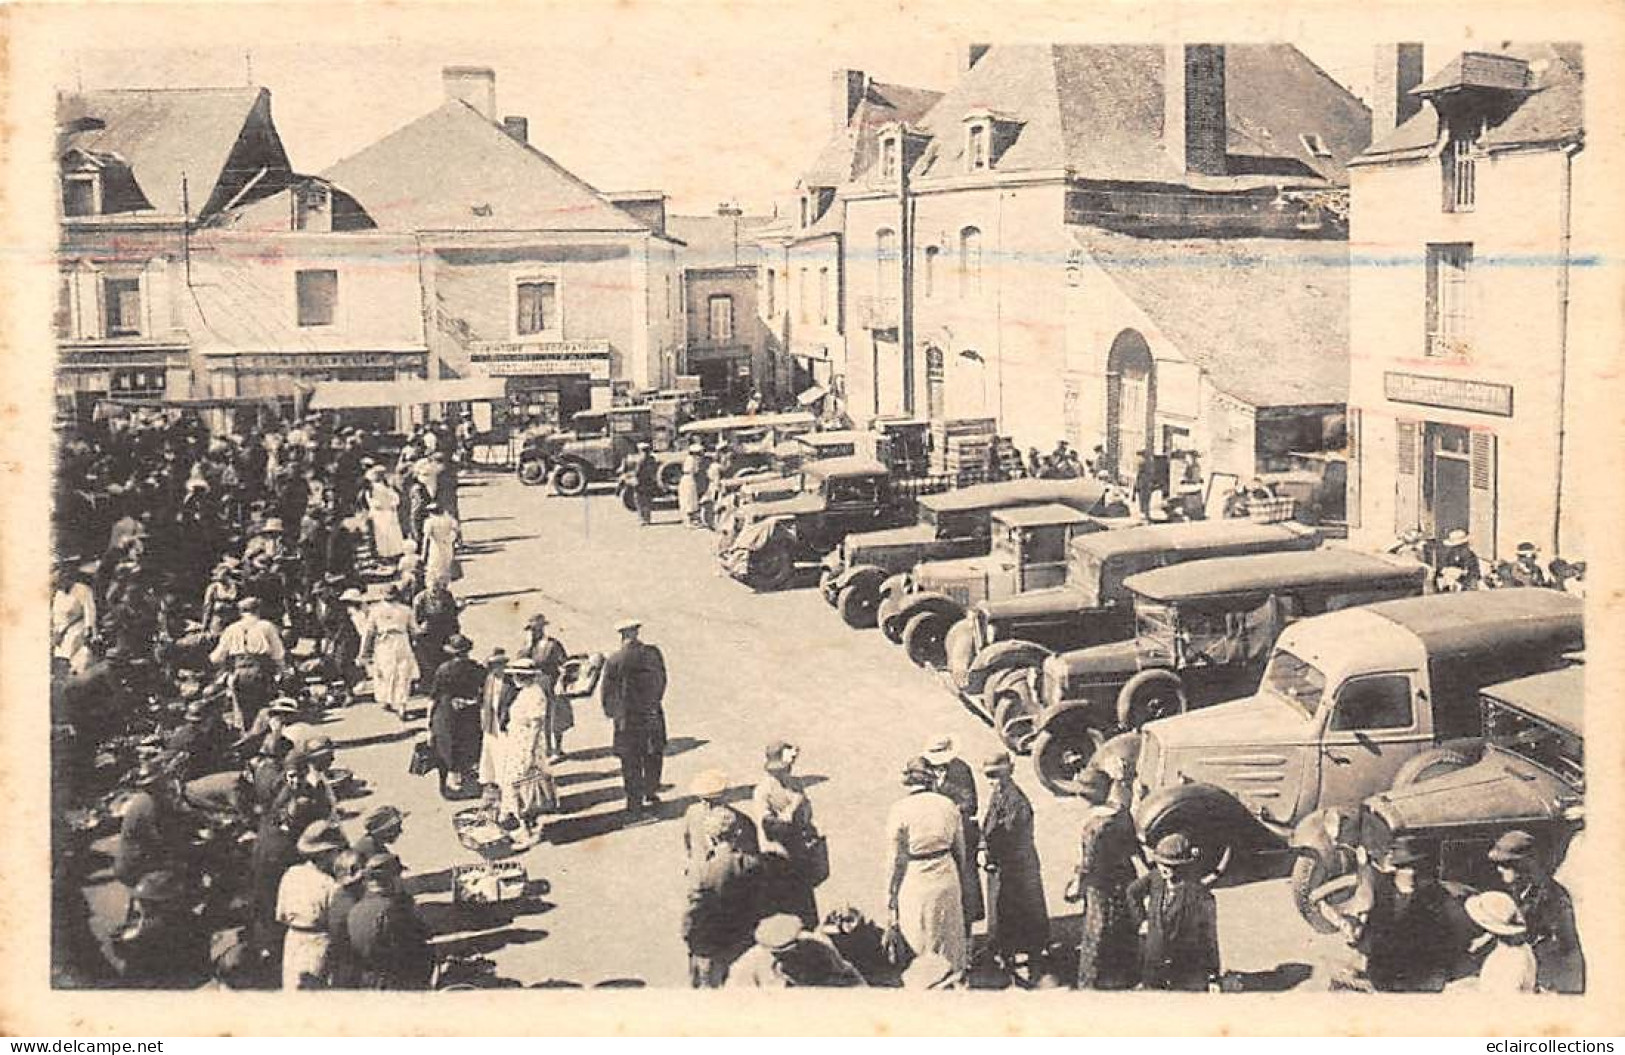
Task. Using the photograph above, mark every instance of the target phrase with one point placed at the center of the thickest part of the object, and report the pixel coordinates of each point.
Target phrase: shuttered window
(317, 293)
(1483, 497)
(1407, 481)
(537, 308)
(1449, 290)
(121, 304)
(1352, 488)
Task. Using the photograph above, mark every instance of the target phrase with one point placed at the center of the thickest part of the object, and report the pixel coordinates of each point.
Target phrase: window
(770, 293)
(970, 261)
(80, 195)
(1315, 145)
(803, 301)
(856, 490)
(318, 295)
(823, 296)
(1460, 162)
(121, 306)
(312, 208)
(888, 157)
(1448, 293)
(64, 307)
(1382, 701)
(538, 308)
(805, 210)
(885, 262)
(928, 270)
(976, 147)
(721, 314)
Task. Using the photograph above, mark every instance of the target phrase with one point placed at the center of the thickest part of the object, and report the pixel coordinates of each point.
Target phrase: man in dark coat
(153, 829)
(387, 937)
(454, 714)
(1181, 944)
(1018, 916)
(724, 902)
(1407, 938)
(164, 945)
(1547, 908)
(434, 620)
(634, 686)
(646, 476)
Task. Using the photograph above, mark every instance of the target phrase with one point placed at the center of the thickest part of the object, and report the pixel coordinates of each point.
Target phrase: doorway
(935, 371)
(1131, 400)
(1447, 479)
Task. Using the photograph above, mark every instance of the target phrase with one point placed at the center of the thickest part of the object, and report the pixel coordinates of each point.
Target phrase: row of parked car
(1257, 689)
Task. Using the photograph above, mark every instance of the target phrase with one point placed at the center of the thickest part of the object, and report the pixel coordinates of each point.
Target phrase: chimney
(973, 55)
(1194, 127)
(846, 92)
(1398, 70)
(518, 128)
(474, 85)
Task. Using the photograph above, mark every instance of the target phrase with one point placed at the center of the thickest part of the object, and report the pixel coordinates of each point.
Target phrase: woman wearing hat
(454, 715)
(384, 512)
(1108, 946)
(789, 839)
(1180, 950)
(302, 904)
(524, 777)
(955, 780)
(386, 648)
(691, 484)
(1509, 968)
(1018, 915)
(925, 896)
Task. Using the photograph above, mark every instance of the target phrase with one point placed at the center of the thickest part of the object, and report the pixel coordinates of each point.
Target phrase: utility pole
(186, 230)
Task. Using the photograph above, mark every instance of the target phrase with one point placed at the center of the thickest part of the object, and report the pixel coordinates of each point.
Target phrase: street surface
(745, 670)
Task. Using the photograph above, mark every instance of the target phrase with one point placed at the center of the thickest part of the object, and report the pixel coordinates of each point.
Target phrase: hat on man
(1175, 848)
(197, 710)
(1526, 548)
(997, 762)
(1404, 854)
(644, 445)
(709, 784)
(272, 526)
(1496, 912)
(695, 447)
(148, 774)
(497, 658)
(162, 886)
(775, 754)
(283, 705)
(352, 596)
(1515, 845)
(539, 619)
(939, 750)
(628, 625)
(348, 868)
(380, 865)
(523, 665)
(1456, 537)
(383, 818)
(778, 932)
(917, 773)
(321, 836)
(459, 645)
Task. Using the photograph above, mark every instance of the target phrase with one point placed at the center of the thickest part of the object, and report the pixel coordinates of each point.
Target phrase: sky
(652, 99)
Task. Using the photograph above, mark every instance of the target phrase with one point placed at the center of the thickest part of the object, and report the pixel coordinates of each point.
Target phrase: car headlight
(986, 632)
(1052, 682)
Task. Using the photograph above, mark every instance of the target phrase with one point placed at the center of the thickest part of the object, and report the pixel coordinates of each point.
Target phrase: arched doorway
(1131, 400)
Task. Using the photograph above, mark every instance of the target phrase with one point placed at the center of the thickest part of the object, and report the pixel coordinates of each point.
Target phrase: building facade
(1464, 385)
(727, 346)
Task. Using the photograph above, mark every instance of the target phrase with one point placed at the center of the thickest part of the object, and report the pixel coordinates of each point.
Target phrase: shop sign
(1449, 393)
(307, 361)
(515, 359)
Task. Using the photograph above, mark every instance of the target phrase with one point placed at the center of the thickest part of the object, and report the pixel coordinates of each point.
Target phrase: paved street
(744, 670)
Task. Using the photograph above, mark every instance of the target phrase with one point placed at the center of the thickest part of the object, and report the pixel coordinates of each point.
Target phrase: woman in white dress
(73, 620)
(441, 534)
(523, 775)
(383, 506)
(925, 856)
(688, 485)
(386, 648)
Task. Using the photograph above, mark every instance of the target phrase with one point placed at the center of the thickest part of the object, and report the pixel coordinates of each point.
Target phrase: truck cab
(1346, 700)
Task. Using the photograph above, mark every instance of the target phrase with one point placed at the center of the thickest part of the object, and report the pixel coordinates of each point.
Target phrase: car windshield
(1546, 746)
(1155, 623)
(1295, 681)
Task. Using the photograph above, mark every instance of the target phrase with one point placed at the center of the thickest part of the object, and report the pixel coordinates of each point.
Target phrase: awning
(340, 395)
(812, 395)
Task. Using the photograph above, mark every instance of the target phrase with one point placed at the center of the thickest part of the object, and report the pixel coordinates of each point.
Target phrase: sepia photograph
(624, 498)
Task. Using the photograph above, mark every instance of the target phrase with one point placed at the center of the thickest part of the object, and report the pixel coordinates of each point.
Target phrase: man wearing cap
(1526, 570)
(1180, 950)
(454, 715)
(302, 904)
(203, 739)
(646, 477)
(785, 956)
(634, 687)
(251, 648)
(1547, 909)
(382, 826)
(153, 828)
(1408, 934)
(306, 793)
(163, 943)
(387, 937)
(550, 655)
(724, 895)
(958, 783)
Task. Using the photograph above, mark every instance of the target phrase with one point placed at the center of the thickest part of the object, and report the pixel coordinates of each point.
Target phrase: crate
(488, 883)
(1271, 510)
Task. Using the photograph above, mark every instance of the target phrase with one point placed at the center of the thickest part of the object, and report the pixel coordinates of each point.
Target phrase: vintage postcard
(1043, 518)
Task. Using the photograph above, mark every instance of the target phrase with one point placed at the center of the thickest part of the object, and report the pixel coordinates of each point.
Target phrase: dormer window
(1460, 165)
(806, 211)
(888, 157)
(81, 194)
(976, 155)
(312, 208)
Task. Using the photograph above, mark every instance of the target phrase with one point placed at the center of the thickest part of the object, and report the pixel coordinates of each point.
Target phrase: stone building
(727, 344)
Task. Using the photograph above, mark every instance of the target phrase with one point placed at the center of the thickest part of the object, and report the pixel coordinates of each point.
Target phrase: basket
(477, 829)
(1270, 510)
(490, 883)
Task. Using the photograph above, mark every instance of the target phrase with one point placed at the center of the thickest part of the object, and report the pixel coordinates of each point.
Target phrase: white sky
(655, 97)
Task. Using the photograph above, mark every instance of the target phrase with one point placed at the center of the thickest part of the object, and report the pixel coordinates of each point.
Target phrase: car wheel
(1149, 695)
(570, 481)
(773, 568)
(1014, 710)
(629, 500)
(671, 474)
(1434, 762)
(886, 618)
(923, 638)
(1058, 759)
(1211, 829)
(857, 607)
(533, 472)
(1312, 887)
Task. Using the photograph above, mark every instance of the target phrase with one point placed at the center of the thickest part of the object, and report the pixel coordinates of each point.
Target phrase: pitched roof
(717, 241)
(1265, 319)
(1552, 111)
(451, 169)
(853, 149)
(1097, 111)
(162, 135)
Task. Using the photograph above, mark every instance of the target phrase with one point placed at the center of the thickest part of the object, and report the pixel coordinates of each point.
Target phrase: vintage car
(1203, 630)
(757, 441)
(1347, 700)
(1525, 770)
(1027, 551)
(593, 449)
(994, 653)
(838, 497)
(952, 524)
(781, 476)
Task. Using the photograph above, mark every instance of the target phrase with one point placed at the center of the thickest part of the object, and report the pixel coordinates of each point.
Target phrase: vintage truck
(995, 651)
(953, 524)
(1347, 701)
(837, 497)
(1202, 632)
(592, 450)
(1525, 769)
(753, 438)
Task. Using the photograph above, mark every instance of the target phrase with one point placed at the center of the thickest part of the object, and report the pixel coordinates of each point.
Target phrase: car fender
(930, 601)
(1003, 655)
(760, 534)
(1208, 800)
(895, 586)
(865, 575)
(1078, 718)
(1321, 832)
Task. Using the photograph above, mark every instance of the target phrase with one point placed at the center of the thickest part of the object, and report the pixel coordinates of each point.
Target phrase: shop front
(546, 382)
(277, 386)
(724, 370)
(1445, 452)
(87, 376)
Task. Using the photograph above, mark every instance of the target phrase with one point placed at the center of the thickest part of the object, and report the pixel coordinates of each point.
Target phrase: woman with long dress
(1018, 916)
(688, 485)
(523, 775)
(1109, 946)
(73, 620)
(441, 534)
(386, 649)
(384, 509)
(788, 836)
(926, 854)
